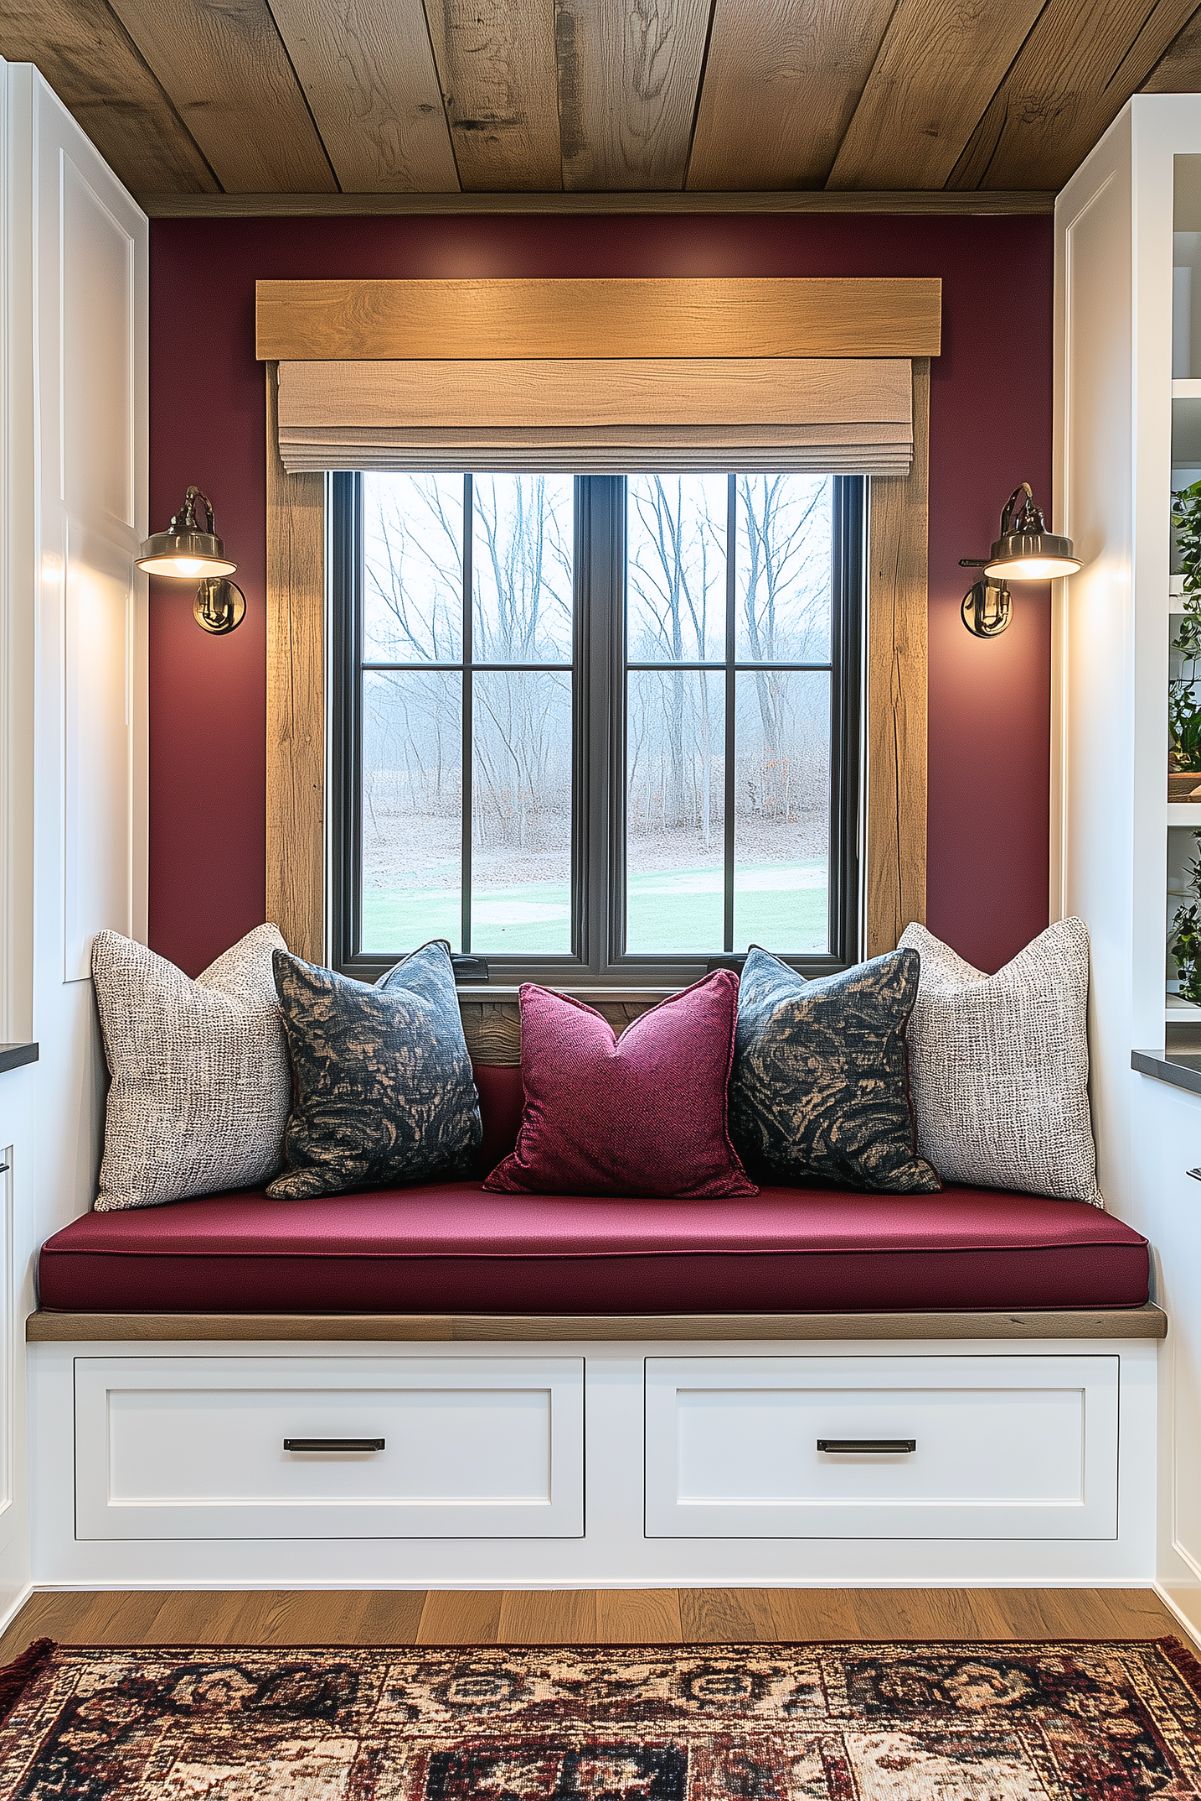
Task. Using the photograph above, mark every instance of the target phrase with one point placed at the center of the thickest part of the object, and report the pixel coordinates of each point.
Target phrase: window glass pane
(521, 812)
(521, 568)
(412, 801)
(412, 568)
(783, 570)
(676, 568)
(782, 811)
(675, 809)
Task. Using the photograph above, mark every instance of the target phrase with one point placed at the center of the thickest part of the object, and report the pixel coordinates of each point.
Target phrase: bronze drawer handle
(874, 1445)
(333, 1444)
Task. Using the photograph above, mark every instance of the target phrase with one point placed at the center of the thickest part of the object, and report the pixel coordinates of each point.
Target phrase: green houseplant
(1184, 707)
(1184, 940)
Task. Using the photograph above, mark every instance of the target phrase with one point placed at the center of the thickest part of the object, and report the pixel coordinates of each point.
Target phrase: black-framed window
(596, 729)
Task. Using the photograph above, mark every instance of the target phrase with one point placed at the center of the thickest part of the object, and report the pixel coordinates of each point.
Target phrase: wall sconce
(187, 551)
(1024, 551)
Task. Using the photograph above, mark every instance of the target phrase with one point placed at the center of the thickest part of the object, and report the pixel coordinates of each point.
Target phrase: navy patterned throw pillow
(820, 1089)
(382, 1090)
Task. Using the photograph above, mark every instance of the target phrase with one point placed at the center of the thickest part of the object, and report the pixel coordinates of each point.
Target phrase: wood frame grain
(895, 712)
(896, 688)
(296, 702)
(49, 1327)
(514, 317)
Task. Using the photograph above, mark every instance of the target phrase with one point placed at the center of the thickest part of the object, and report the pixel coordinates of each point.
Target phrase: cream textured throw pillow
(999, 1065)
(200, 1079)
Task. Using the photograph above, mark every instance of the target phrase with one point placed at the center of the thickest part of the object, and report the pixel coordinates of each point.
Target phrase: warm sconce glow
(190, 552)
(1024, 551)
(187, 551)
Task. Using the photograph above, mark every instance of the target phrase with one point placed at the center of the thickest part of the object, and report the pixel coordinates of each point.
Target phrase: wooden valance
(598, 375)
(545, 320)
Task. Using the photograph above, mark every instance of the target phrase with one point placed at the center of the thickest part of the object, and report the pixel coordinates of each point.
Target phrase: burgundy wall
(990, 428)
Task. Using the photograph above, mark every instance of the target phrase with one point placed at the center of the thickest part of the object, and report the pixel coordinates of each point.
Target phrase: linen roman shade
(596, 376)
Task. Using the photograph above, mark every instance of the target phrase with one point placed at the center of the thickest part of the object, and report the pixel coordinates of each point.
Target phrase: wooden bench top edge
(47, 1326)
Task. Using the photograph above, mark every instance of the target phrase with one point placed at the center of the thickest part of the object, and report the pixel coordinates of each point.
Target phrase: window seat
(451, 1249)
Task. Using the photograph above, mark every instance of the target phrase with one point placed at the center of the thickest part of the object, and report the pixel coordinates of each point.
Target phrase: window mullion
(731, 696)
(466, 697)
(603, 730)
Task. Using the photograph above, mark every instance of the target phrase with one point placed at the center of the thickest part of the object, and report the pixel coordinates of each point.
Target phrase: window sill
(1179, 1068)
(481, 993)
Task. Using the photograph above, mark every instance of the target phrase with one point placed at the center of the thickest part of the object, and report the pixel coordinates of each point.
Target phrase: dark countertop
(1181, 1066)
(12, 1056)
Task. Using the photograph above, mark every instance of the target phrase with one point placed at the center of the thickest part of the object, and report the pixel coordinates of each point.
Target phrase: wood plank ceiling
(193, 98)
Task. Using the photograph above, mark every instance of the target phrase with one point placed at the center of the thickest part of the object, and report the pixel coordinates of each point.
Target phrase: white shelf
(1186, 424)
(1176, 1010)
(1184, 813)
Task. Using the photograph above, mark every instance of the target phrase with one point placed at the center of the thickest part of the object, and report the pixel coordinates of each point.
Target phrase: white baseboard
(9, 1614)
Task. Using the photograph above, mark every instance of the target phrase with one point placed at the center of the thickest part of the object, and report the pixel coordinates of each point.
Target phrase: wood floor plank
(638, 1616)
(921, 1613)
(460, 1617)
(814, 1613)
(727, 1616)
(548, 1617)
(653, 1616)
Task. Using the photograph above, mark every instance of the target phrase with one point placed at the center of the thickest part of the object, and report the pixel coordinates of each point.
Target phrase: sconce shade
(1026, 551)
(187, 551)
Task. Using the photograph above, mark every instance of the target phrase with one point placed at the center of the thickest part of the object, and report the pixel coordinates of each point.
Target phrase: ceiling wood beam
(1069, 81)
(987, 202)
(939, 65)
(628, 82)
(496, 64)
(227, 74)
(781, 83)
(367, 69)
(1178, 70)
(88, 59)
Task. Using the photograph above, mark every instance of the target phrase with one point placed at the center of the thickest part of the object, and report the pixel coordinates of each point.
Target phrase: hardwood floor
(586, 1616)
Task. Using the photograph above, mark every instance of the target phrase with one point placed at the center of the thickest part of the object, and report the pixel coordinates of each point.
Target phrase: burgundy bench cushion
(451, 1247)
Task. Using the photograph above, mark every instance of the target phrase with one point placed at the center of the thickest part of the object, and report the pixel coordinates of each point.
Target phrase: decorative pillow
(199, 1090)
(1000, 1065)
(382, 1090)
(643, 1114)
(821, 1084)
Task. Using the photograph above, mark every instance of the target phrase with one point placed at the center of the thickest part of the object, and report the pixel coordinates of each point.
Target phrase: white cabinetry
(1127, 296)
(292, 1447)
(874, 1447)
(591, 1464)
(73, 378)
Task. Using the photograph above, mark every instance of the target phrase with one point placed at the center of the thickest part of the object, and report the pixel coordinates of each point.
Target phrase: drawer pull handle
(333, 1444)
(4, 1166)
(884, 1445)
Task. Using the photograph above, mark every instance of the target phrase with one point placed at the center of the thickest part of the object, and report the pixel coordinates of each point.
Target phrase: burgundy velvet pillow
(643, 1114)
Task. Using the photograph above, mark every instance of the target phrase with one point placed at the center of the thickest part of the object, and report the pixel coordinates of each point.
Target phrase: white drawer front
(190, 1447)
(1003, 1447)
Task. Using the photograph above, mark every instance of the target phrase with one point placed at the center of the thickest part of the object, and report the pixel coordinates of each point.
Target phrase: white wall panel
(97, 824)
(72, 660)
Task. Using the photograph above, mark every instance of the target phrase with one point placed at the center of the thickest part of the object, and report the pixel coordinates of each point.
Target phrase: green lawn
(678, 910)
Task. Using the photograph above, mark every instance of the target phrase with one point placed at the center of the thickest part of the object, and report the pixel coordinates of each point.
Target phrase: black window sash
(599, 678)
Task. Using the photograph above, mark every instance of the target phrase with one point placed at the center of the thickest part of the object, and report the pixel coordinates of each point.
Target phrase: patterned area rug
(948, 1722)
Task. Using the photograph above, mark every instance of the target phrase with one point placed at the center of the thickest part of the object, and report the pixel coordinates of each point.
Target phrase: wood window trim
(894, 711)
